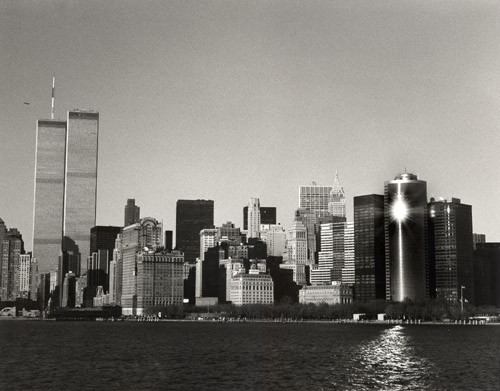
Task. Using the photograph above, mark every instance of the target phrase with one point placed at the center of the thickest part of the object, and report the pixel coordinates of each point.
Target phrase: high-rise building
(191, 217)
(208, 239)
(336, 205)
(12, 247)
(336, 258)
(132, 213)
(451, 255)
(228, 232)
(146, 235)
(486, 274)
(369, 247)
(48, 208)
(80, 190)
(267, 216)
(103, 238)
(405, 205)
(169, 245)
(24, 276)
(315, 197)
(297, 242)
(478, 238)
(253, 218)
(275, 238)
(65, 188)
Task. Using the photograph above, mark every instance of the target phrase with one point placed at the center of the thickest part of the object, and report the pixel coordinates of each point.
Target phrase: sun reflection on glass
(400, 209)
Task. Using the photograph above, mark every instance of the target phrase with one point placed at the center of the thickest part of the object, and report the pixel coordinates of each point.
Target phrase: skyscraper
(146, 235)
(405, 204)
(315, 197)
(253, 218)
(65, 189)
(80, 190)
(267, 215)
(132, 213)
(452, 254)
(191, 217)
(48, 208)
(297, 242)
(336, 204)
(369, 248)
(11, 249)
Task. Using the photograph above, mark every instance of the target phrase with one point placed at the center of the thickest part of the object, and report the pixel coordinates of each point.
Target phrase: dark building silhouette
(168, 241)
(267, 215)
(103, 238)
(257, 249)
(405, 206)
(191, 217)
(369, 248)
(11, 247)
(450, 250)
(210, 273)
(132, 213)
(487, 274)
(285, 289)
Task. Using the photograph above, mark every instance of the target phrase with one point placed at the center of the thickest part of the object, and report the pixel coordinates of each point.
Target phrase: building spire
(53, 96)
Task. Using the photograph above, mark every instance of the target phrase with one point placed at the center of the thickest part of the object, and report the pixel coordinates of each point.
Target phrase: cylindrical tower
(405, 201)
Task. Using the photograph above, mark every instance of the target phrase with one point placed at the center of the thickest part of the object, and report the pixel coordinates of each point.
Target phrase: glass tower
(405, 202)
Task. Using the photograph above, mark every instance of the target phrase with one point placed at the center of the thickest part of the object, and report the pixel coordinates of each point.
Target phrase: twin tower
(65, 190)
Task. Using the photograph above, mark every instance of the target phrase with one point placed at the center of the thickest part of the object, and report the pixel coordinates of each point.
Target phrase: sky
(228, 100)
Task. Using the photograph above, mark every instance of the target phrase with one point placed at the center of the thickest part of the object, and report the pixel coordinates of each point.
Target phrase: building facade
(191, 217)
(451, 254)
(369, 247)
(267, 215)
(253, 218)
(337, 204)
(275, 238)
(253, 288)
(405, 206)
(48, 207)
(315, 197)
(80, 191)
(336, 293)
(132, 213)
(297, 242)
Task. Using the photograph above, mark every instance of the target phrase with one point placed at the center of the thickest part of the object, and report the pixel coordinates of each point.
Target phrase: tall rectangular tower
(191, 217)
(81, 183)
(48, 206)
(452, 253)
(315, 197)
(369, 249)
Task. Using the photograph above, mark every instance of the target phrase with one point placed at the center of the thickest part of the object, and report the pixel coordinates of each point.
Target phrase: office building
(336, 205)
(80, 190)
(487, 274)
(267, 216)
(208, 239)
(252, 288)
(335, 293)
(49, 193)
(24, 276)
(103, 238)
(275, 238)
(315, 197)
(65, 188)
(299, 272)
(146, 235)
(132, 213)
(253, 218)
(12, 247)
(160, 280)
(369, 247)
(207, 273)
(451, 250)
(230, 268)
(191, 217)
(229, 233)
(405, 206)
(478, 238)
(297, 242)
(169, 244)
(348, 268)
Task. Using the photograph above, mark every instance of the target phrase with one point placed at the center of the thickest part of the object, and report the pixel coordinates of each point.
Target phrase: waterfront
(261, 356)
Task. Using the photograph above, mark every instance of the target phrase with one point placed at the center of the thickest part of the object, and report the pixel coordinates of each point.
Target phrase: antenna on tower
(53, 96)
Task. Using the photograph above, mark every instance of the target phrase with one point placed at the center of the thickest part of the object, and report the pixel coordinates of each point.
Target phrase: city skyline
(302, 100)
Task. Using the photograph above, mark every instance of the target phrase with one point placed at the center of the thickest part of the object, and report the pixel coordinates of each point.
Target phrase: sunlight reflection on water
(390, 362)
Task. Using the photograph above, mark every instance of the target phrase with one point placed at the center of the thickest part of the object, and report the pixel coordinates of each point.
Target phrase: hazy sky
(228, 100)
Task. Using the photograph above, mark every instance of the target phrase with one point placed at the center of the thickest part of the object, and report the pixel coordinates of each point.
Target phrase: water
(247, 356)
